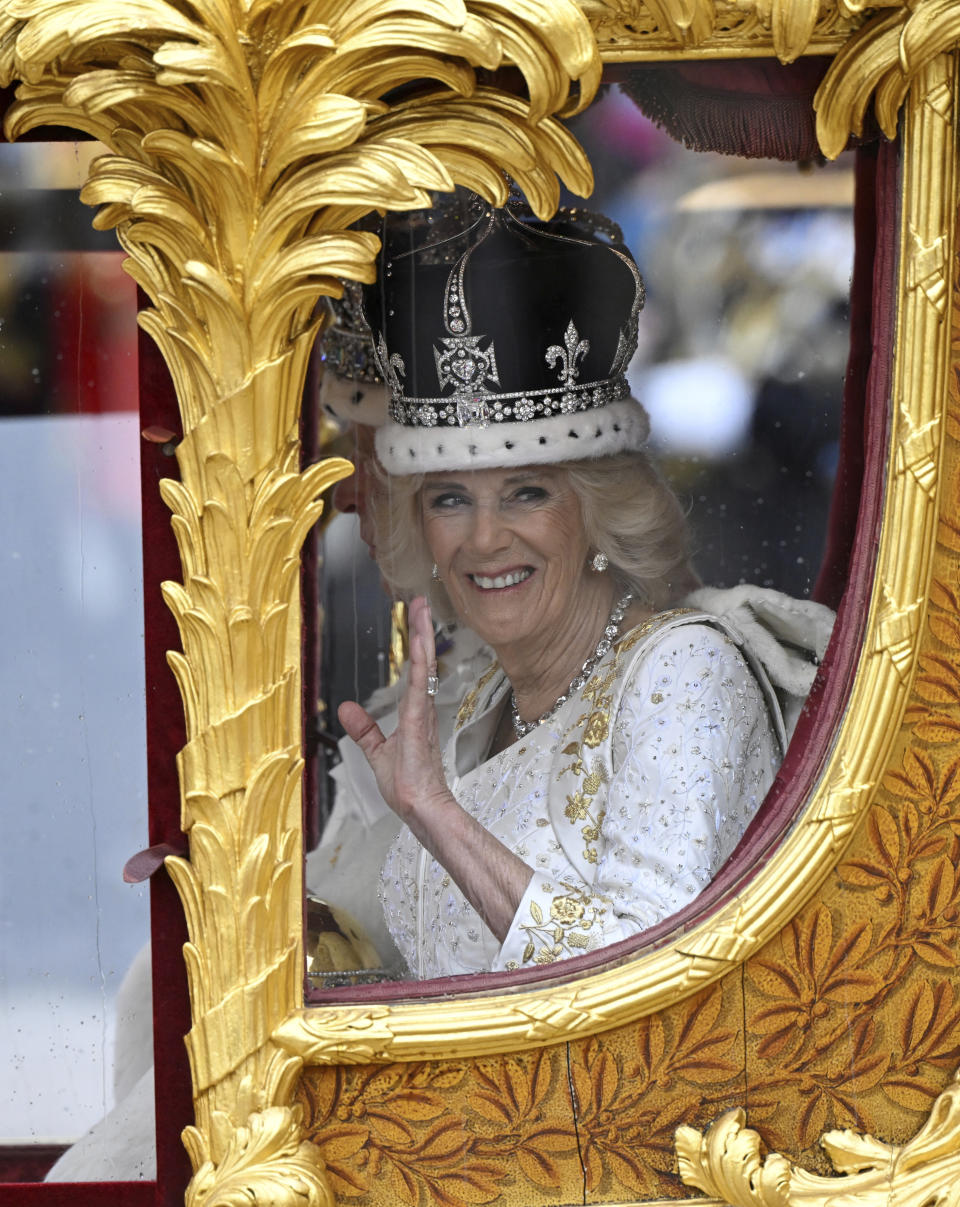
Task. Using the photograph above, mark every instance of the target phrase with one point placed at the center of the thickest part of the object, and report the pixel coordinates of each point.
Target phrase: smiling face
(511, 550)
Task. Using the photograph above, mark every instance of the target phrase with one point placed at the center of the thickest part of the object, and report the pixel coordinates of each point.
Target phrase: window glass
(73, 764)
(743, 342)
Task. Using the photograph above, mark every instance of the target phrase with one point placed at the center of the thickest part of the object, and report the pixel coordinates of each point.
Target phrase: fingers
(415, 698)
(417, 711)
(423, 627)
(361, 727)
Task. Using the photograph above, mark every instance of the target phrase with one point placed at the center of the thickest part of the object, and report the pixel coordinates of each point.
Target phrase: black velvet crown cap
(498, 338)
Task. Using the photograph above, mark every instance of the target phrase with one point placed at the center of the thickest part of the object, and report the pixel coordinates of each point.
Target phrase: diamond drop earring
(599, 562)
(435, 573)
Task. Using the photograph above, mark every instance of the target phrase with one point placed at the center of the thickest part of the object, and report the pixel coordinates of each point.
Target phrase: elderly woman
(608, 761)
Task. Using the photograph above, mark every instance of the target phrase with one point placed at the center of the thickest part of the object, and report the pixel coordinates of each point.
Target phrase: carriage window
(743, 342)
(72, 701)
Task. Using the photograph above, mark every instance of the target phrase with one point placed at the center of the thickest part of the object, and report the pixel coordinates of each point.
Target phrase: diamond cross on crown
(463, 364)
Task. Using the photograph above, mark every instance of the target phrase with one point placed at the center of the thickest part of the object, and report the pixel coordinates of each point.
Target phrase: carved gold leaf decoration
(880, 50)
(597, 1117)
(236, 169)
(245, 138)
(882, 61)
(725, 1163)
(264, 1161)
(687, 22)
(792, 23)
(927, 270)
(919, 446)
(354, 1036)
(637, 29)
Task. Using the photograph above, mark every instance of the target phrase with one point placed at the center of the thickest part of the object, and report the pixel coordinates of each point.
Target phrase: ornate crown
(498, 339)
(347, 348)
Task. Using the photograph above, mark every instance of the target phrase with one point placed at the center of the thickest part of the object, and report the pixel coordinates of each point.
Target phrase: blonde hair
(629, 513)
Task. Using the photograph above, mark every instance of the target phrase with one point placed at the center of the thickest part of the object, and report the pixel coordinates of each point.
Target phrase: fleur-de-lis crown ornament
(515, 336)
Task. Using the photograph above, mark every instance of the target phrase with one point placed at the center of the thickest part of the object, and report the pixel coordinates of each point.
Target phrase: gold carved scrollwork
(880, 50)
(883, 61)
(726, 1164)
(710, 28)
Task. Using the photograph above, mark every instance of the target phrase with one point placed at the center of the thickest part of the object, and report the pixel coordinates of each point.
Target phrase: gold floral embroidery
(591, 729)
(573, 914)
(598, 776)
(580, 804)
(566, 910)
(629, 640)
(598, 686)
(598, 726)
(468, 706)
(577, 807)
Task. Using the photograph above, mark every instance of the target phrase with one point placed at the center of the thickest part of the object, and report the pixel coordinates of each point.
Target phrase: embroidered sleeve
(693, 753)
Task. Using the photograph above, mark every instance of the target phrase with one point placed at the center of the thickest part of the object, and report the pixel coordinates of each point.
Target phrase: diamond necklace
(610, 632)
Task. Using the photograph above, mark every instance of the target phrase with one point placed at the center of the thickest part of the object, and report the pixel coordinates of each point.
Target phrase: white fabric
(625, 804)
(787, 637)
(351, 401)
(133, 1046)
(120, 1148)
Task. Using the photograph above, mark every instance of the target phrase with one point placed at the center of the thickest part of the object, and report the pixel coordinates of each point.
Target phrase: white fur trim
(363, 402)
(787, 633)
(600, 432)
(786, 636)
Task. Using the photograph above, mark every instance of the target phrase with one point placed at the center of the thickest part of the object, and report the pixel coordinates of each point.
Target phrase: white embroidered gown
(625, 803)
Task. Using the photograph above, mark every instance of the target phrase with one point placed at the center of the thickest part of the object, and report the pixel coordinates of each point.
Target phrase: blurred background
(73, 756)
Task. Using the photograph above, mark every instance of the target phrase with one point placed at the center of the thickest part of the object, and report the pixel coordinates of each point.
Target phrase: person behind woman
(609, 760)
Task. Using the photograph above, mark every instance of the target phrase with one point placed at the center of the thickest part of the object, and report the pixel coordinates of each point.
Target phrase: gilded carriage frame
(246, 137)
